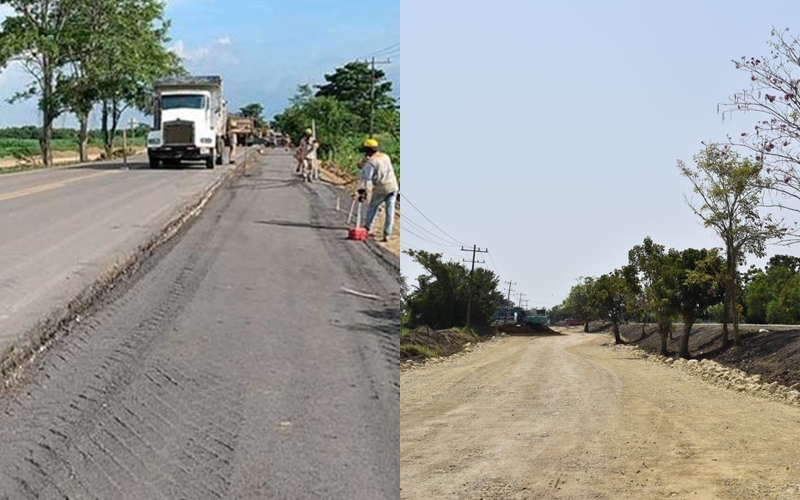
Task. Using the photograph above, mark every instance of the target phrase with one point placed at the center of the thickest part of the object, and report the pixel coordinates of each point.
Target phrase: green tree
(730, 191)
(255, 111)
(116, 49)
(362, 89)
(646, 261)
(692, 279)
(578, 302)
(35, 34)
(440, 298)
(608, 298)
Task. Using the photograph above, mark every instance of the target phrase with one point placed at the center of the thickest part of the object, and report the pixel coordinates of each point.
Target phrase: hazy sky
(262, 48)
(549, 131)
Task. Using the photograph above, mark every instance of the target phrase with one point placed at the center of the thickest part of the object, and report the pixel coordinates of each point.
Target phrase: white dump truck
(189, 121)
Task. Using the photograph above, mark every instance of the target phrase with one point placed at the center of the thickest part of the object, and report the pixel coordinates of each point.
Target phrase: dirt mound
(775, 355)
(526, 329)
(438, 342)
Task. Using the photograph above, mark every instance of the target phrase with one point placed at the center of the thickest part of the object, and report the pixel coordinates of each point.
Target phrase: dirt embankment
(443, 343)
(774, 354)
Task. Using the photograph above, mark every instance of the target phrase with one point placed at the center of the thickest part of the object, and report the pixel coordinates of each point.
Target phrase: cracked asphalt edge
(21, 354)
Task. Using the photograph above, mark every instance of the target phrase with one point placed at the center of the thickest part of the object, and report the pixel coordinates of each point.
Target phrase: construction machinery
(520, 316)
(189, 121)
(243, 127)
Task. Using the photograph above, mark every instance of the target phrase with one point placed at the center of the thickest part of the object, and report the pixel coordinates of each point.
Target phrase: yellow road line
(50, 186)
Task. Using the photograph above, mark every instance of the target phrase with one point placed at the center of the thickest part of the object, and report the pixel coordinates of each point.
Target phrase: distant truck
(243, 127)
(189, 121)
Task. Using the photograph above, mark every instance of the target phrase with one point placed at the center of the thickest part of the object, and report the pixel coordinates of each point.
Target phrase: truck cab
(188, 121)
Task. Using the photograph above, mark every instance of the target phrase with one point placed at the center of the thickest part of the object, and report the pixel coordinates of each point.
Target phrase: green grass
(418, 350)
(348, 155)
(404, 331)
(30, 147)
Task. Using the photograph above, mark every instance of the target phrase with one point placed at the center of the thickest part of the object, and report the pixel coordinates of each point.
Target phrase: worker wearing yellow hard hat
(378, 171)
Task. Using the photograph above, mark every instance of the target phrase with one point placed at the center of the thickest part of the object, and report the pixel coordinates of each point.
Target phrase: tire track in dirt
(564, 417)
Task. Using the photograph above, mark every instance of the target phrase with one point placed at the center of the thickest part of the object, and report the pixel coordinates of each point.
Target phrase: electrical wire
(427, 219)
(446, 242)
(406, 230)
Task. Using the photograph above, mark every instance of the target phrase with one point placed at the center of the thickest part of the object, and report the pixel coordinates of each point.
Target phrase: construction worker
(307, 156)
(378, 171)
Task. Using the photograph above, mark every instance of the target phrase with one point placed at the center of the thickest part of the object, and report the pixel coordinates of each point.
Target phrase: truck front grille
(179, 132)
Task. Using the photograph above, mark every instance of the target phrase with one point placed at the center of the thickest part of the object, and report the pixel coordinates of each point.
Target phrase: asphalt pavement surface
(237, 362)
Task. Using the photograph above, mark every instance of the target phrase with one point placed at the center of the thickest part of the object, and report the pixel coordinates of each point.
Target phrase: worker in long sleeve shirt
(378, 171)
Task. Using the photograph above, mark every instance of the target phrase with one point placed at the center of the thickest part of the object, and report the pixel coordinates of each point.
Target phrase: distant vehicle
(571, 322)
(189, 121)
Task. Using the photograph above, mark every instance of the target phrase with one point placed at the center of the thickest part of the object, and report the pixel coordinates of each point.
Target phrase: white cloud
(201, 53)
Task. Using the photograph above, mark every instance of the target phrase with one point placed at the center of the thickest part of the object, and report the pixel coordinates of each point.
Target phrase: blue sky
(262, 48)
(549, 131)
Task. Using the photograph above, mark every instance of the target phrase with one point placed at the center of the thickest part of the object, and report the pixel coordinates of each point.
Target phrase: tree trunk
(46, 105)
(108, 139)
(663, 329)
(737, 339)
(615, 326)
(586, 326)
(688, 321)
(83, 137)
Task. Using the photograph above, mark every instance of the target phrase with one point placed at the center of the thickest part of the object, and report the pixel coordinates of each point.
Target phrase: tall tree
(36, 34)
(730, 191)
(646, 261)
(361, 88)
(773, 96)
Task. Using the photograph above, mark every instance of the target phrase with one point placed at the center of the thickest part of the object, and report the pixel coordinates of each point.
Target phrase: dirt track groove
(565, 417)
(230, 367)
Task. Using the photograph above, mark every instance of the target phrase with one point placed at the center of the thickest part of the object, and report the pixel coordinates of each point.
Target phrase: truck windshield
(182, 101)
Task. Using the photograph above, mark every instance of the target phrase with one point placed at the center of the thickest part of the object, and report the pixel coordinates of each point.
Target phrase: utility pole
(474, 250)
(505, 320)
(519, 302)
(372, 93)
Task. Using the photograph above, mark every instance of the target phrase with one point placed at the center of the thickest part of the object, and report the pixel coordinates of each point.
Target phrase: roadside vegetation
(72, 50)
(345, 110)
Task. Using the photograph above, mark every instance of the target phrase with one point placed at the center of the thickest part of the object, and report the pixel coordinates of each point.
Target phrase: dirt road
(567, 417)
(232, 365)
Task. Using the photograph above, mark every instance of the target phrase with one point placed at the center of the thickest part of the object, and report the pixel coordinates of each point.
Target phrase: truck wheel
(154, 162)
(211, 160)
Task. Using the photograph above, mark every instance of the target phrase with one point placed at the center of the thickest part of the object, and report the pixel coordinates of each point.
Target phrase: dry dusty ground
(571, 417)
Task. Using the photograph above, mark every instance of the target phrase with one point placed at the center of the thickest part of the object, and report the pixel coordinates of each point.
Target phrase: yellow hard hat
(371, 143)
(309, 131)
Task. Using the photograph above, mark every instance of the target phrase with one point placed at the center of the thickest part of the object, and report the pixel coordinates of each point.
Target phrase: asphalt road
(231, 365)
(63, 228)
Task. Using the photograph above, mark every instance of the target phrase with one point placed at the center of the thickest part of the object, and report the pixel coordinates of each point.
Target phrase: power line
(493, 266)
(391, 48)
(406, 230)
(427, 219)
(446, 242)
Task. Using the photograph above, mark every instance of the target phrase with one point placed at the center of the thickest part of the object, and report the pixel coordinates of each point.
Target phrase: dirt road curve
(233, 366)
(566, 417)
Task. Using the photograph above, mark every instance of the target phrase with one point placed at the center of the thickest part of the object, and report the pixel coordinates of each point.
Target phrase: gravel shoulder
(570, 416)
